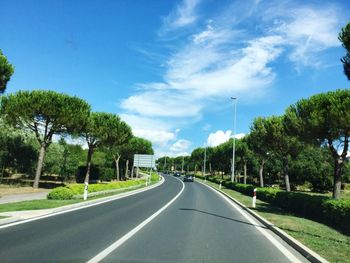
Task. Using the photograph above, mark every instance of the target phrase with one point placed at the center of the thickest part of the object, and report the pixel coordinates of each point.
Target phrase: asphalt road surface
(175, 222)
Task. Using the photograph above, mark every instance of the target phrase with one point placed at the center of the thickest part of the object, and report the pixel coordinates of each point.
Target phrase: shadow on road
(224, 217)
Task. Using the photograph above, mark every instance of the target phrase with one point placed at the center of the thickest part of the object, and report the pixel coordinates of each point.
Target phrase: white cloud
(223, 59)
(183, 15)
(308, 30)
(239, 135)
(180, 145)
(218, 137)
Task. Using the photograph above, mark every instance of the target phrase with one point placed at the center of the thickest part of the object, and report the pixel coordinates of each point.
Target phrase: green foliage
(94, 173)
(107, 174)
(337, 212)
(6, 71)
(78, 189)
(44, 112)
(60, 193)
(344, 37)
(316, 207)
(313, 165)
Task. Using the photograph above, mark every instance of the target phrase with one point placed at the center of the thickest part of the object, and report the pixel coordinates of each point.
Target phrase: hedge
(335, 213)
(60, 193)
(71, 190)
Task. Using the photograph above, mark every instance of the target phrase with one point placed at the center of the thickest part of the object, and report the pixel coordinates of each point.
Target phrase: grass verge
(46, 204)
(327, 242)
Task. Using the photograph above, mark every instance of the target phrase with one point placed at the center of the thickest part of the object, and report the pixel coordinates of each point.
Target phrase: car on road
(188, 178)
(177, 174)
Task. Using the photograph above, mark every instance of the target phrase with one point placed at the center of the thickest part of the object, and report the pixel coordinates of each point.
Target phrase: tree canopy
(325, 119)
(45, 113)
(344, 37)
(6, 71)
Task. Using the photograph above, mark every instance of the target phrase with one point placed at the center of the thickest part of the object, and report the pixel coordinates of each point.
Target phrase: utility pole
(233, 146)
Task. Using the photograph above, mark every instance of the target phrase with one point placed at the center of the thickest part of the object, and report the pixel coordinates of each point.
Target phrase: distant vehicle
(177, 174)
(188, 178)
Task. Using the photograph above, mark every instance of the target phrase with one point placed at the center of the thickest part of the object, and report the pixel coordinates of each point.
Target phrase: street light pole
(164, 164)
(205, 159)
(234, 141)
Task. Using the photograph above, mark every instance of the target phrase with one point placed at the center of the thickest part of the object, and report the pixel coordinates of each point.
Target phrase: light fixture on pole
(234, 135)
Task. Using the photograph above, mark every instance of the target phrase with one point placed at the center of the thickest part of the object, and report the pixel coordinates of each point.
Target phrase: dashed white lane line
(100, 256)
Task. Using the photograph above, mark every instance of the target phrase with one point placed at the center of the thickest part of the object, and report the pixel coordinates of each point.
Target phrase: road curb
(68, 208)
(309, 254)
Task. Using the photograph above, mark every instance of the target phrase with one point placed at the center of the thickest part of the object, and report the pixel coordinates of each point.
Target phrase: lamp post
(234, 141)
(204, 161)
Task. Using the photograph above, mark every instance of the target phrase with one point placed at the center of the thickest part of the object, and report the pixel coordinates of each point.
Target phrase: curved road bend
(199, 226)
(79, 235)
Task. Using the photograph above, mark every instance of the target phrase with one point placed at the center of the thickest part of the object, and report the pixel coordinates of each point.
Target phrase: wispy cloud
(223, 58)
(182, 16)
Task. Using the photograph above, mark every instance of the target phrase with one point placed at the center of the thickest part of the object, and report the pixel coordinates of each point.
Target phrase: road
(197, 226)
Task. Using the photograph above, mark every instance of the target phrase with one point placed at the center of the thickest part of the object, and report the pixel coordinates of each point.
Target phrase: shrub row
(69, 191)
(323, 209)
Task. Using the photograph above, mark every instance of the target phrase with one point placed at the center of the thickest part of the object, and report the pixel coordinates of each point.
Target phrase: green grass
(35, 205)
(46, 204)
(327, 242)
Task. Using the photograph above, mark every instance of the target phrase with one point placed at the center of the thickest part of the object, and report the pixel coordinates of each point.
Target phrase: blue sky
(169, 68)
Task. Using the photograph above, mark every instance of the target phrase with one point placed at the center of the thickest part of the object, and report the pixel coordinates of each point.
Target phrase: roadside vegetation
(331, 244)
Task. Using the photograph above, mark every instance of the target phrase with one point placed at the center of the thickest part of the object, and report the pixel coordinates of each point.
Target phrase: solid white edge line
(120, 196)
(128, 235)
(274, 241)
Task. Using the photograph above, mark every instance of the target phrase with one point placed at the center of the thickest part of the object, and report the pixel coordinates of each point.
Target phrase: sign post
(145, 161)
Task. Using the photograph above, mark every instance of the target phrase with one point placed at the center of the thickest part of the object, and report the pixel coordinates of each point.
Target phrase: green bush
(337, 212)
(320, 208)
(60, 193)
(106, 174)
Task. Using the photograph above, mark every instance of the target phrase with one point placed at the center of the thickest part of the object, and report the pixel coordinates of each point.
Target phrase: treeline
(30, 120)
(308, 144)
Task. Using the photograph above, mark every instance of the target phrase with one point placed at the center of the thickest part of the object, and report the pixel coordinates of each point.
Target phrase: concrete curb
(309, 254)
(68, 208)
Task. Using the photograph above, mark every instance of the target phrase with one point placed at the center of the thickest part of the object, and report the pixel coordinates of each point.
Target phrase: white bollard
(254, 197)
(86, 190)
(220, 185)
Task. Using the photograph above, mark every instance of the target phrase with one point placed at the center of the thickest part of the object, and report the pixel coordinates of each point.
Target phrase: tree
(344, 37)
(243, 153)
(136, 145)
(103, 130)
(120, 134)
(6, 71)
(281, 143)
(45, 113)
(324, 119)
(258, 140)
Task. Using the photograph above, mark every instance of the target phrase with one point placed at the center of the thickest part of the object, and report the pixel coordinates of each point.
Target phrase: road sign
(144, 161)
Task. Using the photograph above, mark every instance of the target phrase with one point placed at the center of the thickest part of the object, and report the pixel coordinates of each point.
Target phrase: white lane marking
(128, 235)
(274, 241)
(120, 196)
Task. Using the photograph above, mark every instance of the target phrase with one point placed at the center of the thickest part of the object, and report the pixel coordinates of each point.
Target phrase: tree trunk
(210, 169)
(116, 160)
(39, 166)
(126, 168)
(286, 176)
(195, 169)
(132, 172)
(338, 165)
(88, 164)
(261, 169)
(245, 173)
